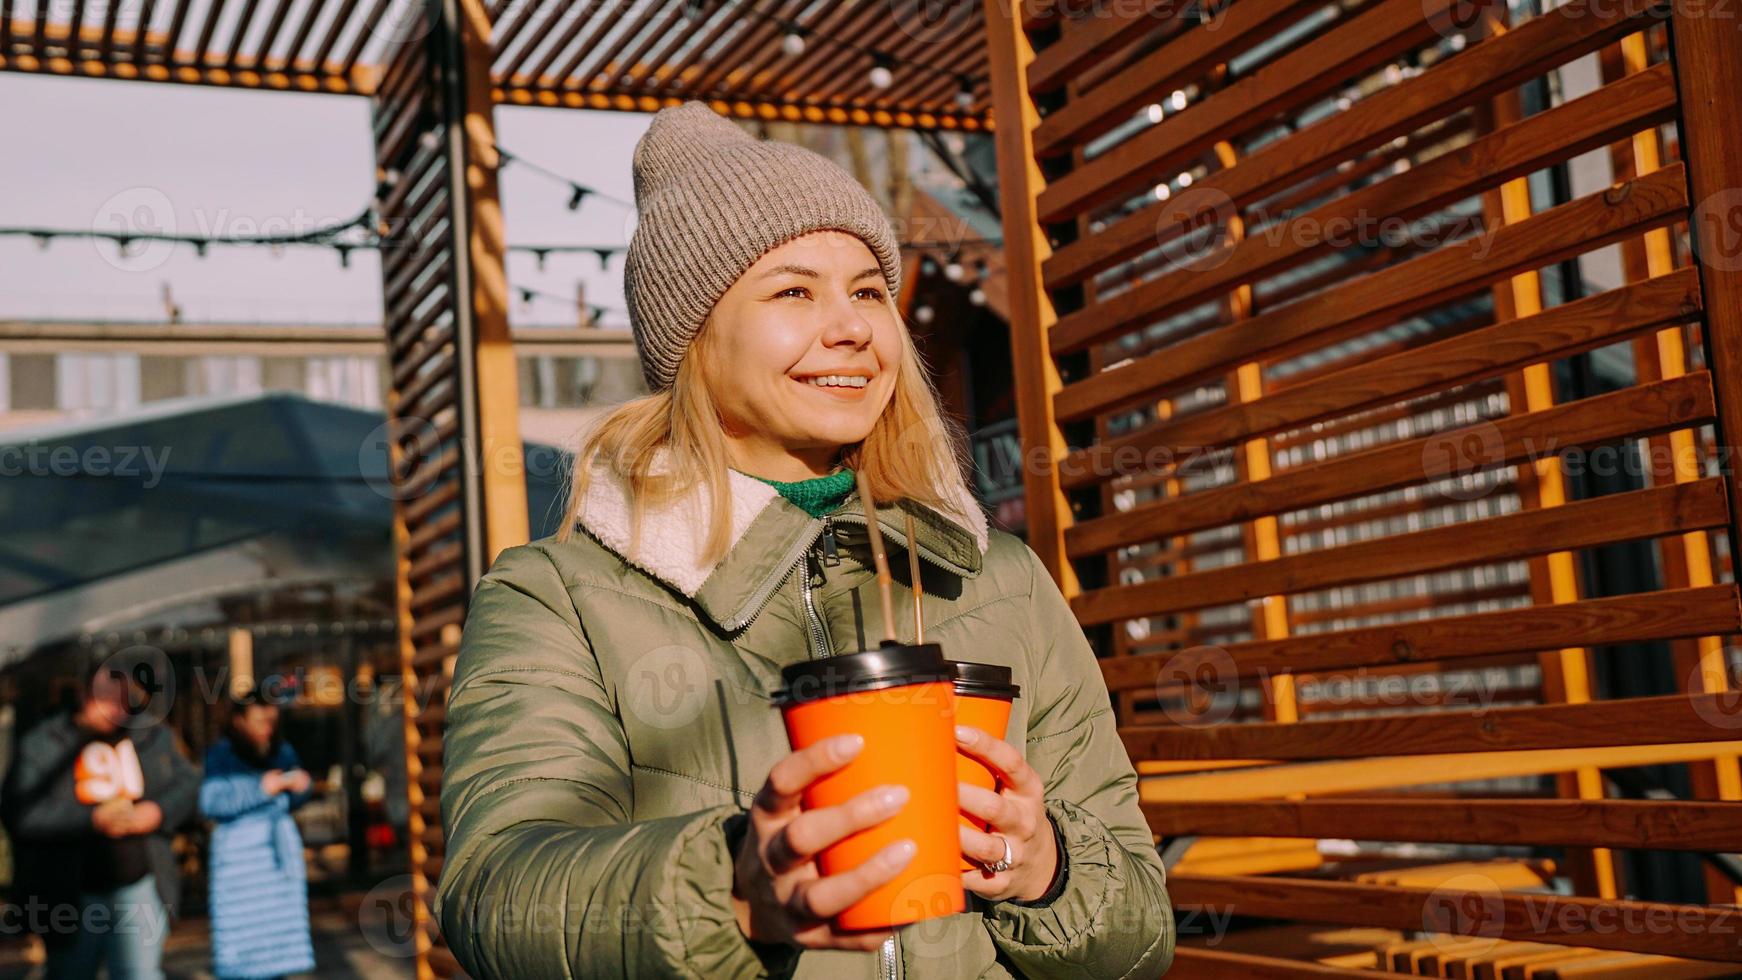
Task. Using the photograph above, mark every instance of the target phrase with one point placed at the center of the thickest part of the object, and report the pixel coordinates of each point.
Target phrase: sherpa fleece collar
(769, 534)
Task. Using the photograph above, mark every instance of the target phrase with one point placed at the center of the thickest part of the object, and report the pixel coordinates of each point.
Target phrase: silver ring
(1003, 863)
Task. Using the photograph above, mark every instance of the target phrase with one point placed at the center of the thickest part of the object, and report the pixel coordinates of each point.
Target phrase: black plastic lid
(871, 670)
(978, 680)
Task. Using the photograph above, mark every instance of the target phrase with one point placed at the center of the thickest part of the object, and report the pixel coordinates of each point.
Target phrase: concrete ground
(345, 947)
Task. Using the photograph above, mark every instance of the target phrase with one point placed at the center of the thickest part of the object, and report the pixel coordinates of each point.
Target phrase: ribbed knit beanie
(711, 199)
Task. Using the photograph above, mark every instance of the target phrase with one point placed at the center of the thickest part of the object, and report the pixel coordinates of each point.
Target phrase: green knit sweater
(817, 495)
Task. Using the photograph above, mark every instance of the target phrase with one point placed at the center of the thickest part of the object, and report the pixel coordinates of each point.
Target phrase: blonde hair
(912, 451)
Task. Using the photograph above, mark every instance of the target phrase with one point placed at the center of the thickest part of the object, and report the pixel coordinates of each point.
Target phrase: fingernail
(847, 746)
(892, 797)
(964, 733)
(900, 852)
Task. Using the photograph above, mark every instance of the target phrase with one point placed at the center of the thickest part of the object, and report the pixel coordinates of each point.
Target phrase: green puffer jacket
(608, 717)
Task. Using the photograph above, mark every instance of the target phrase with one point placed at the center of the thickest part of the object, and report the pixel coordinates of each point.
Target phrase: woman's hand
(777, 892)
(298, 780)
(273, 782)
(1017, 813)
(111, 817)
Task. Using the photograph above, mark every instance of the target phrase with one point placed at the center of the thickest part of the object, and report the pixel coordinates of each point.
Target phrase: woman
(620, 799)
(259, 886)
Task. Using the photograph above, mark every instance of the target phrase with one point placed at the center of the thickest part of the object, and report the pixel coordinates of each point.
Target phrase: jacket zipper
(925, 556)
(887, 952)
(819, 635)
(820, 647)
(793, 561)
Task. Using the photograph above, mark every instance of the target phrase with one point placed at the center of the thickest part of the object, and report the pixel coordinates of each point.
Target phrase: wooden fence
(1377, 366)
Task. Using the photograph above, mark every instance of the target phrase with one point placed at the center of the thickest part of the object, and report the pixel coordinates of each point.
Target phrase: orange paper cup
(898, 698)
(983, 694)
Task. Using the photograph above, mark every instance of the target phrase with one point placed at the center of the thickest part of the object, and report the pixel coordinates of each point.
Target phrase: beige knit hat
(711, 200)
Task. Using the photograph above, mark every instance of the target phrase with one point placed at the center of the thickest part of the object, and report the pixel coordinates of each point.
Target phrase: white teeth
(838, 381)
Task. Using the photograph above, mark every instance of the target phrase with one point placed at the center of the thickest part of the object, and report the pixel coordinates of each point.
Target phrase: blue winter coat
(259, 884)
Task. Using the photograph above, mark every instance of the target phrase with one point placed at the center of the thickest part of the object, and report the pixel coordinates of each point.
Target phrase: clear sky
(94, 153)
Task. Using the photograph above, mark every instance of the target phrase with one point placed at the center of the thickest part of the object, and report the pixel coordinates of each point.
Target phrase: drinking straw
(913, 576)
(885, 584)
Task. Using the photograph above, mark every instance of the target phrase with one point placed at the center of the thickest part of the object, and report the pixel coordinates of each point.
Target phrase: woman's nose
(846, 328)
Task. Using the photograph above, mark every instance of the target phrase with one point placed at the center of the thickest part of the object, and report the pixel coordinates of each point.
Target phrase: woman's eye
(790, 289)
(876, 294)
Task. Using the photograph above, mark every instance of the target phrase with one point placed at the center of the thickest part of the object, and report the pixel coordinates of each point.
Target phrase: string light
(578, 192)
(595, 312)
(328, 238)
(881, 76)
(792, 45)
(369, 224)
(964, 92)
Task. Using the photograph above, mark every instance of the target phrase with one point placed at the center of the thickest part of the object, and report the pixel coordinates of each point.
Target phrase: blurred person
(259, 882)
(619, 798)
(92, 801)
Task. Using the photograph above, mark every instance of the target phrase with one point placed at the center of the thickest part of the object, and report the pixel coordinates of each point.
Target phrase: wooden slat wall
(453, 398)
(1292, 399)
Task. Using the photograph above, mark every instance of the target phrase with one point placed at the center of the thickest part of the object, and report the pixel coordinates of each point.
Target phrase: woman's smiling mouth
(850, 386)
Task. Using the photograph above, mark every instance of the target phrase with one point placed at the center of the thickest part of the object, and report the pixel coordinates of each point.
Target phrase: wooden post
(1687, 559)
(497, 511)
(455, 453)
(241, 659)
(1706, 43)
(1031, 311)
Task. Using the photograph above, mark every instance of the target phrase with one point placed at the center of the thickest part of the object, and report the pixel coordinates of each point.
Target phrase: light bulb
(881, 77)
(977, 296)
(1154, 113)
(954, 272)
(1177, 99)
(922, 314)
(792, 44)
